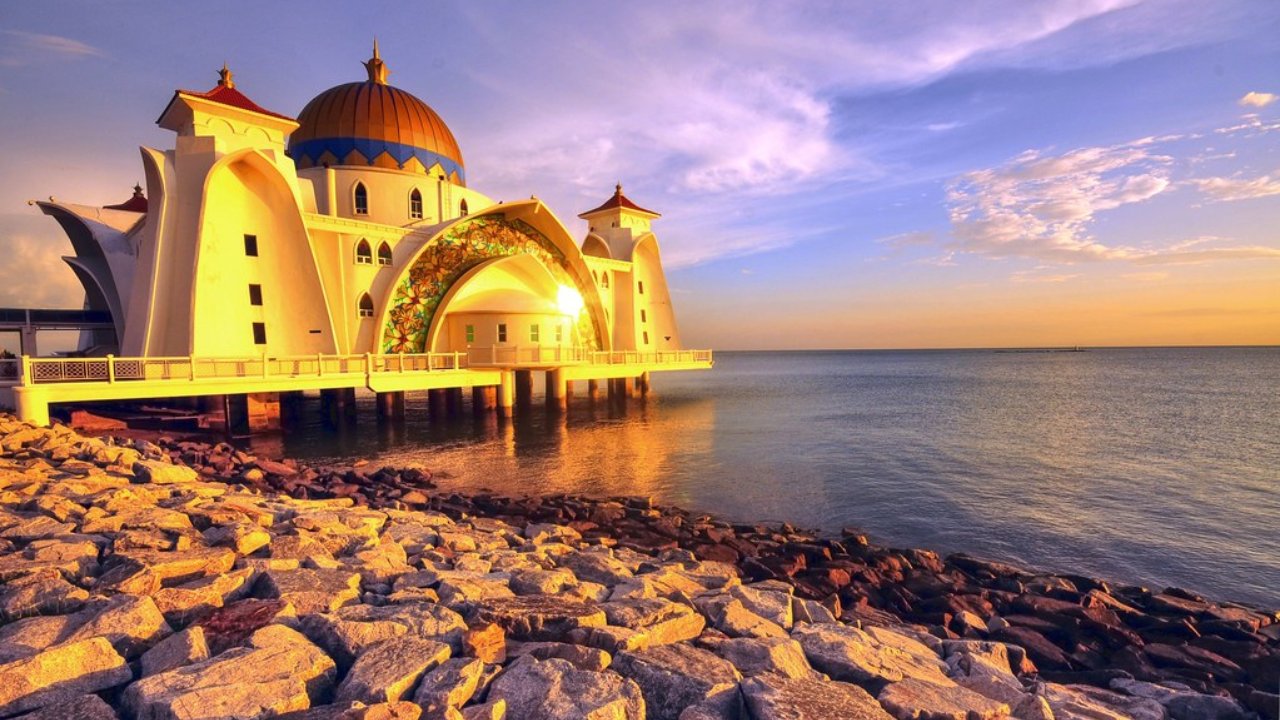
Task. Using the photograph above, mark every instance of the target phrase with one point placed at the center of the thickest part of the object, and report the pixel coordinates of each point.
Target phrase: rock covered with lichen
(157, 581)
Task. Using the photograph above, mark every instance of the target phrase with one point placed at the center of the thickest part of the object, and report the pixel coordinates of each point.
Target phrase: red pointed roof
(225, 93)
(618, 201)
(137, 203)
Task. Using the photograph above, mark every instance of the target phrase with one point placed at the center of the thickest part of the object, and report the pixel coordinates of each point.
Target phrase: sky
(848, 174)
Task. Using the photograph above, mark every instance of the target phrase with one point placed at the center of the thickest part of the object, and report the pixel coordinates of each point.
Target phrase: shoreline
(1073, 641)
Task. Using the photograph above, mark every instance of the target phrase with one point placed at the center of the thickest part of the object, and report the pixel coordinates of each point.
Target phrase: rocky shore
(191, 581)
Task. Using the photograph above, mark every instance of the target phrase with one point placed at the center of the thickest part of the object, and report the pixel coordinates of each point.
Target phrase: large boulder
(76, 707)
(450, 685)
(773, 697)
(311, 591)
(278, 672)
(73, 668)
(674, 677)
(914, 698)
(388, 670)
(662, 621)
(556, 690)
(853, 655)
(754, 656)
(156, 472)
(537, 617)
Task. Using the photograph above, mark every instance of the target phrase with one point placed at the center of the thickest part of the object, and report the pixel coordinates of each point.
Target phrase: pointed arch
(462, 208)
(415, 204)
(364, 253)
(384, 253)
(360, 199)
(364, 306)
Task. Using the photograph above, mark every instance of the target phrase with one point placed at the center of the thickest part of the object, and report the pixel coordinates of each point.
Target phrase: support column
(506, 392)
(27, 342)
(391, 405)
(557, 390)
(593, 390)
(436, 403)
(524, 388)
(264, 411)
(484, 399)
(338, 405)
(453, 401)
(642, 384)
(291, 409)
(32, 405)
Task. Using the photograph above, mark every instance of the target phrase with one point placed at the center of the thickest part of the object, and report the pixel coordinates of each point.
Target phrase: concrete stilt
(290, 409)
(642, 384)
(453, 401)
(557, 390)
(391, 406)
(27, 342)
(338, 405)
(484, 399)
(524, 388)
(32, 405)
(506, 392)
(593, 390)
(264, 410)
(436, 403)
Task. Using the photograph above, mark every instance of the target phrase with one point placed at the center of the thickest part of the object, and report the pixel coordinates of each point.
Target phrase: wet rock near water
(190, 580)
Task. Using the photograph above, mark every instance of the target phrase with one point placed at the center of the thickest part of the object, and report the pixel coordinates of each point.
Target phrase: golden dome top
(372, 123)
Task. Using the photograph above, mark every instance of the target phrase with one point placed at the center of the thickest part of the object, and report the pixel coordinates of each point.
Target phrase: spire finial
(137, 189)
(225, 78)
(617, 189)
(377, 69)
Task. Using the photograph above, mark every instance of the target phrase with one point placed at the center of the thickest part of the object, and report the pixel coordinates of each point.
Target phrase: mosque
(350, 230)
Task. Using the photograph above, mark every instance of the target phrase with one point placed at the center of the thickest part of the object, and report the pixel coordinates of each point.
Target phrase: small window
(559, 333)
(502, 332)
(415, 204)
(641, 284)
(364, 253)
(366, 306)
(604, 279)
(471, 333)
(646, 338)
(251, 245)
(643, 318)
(462, 208)
(259, 333)
(255, 294)
(595, 277)
(362, 200)
(534, 335)
(384, 254)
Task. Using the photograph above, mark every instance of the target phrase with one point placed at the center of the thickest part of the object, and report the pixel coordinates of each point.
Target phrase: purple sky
(845, 174)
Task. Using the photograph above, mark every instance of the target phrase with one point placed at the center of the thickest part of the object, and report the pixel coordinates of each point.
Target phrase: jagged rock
(537, 617)
(493, 710)
(161, 473)
(847, 653)
(243, 537)
(450, 685)
(556, 690)
(1081, 702)
(674, 677)
(1184, 704)
(770, 600)
(194, 599)
(279, 672)
(487, 642)
(731, 617)
(310, 591)
(131, 624)
(596, 566)
(773, 697)
(388, 670)
(912, 698)
(984, 667)
(811, 611)
(233, 625)
(72, 668)
(40, 593)
(79, 707)
(183, 566)
(753, 656)
(542, 582)
(346, 633)
(401, 710)
(662, 621)
(179, 649)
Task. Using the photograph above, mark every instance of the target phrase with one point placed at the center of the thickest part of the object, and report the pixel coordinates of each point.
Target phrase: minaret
(377, 69)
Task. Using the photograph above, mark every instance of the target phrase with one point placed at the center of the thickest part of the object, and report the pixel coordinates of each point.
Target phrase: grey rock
(853, 655)
(79, 707)
(390, 669)
(773, 697)
(450, 685)
(156, 472)
(661, 621)
(537, 617)
(179, 649)
(753, 656)
(556, 690)
(674, 677)
(912, 698)
(310, 591)
(72, 668)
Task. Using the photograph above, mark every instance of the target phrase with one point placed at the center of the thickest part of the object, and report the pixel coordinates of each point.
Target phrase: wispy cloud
(1038, 275)
(26, 48)
(1195, 257)
(1257, 99)
(33, 274)
(901, 241)
(1236, 188)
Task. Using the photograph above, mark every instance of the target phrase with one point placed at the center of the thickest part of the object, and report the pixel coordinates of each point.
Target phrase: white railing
(112, 369)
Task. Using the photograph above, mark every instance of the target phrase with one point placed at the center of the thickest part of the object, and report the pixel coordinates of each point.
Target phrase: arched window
(604, 279)
(415, 204)
(384, 254)
(364, 253)
(366, 306)
(462, 208)
(362, 199)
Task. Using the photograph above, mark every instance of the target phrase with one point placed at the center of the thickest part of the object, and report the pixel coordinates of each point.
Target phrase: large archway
(416, 298)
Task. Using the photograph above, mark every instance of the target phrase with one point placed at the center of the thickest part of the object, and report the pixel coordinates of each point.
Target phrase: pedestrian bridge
(34, 383)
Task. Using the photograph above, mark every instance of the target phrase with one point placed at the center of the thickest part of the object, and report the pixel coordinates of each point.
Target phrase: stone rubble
(189, 581)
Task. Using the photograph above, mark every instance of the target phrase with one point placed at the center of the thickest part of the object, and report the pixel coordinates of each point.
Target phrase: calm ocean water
(1158, 466)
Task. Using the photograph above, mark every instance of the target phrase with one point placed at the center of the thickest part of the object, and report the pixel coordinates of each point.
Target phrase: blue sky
(926, 174)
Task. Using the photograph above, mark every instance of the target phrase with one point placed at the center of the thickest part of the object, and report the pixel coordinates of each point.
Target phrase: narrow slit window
(534, 335)
(362, 200)
(641, 285)
(259, 333)
(604, 279)
(384, 254)
(471, 333)
(415, 205)
(646, 338)
(251, 245)
(255, 295)
(502, 332)
(364, 253)
(366, 306)
(643, 317)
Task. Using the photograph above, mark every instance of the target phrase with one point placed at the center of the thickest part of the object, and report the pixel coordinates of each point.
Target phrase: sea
(1152, 466)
